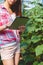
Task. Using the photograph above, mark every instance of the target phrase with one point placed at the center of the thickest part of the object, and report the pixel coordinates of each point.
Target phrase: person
(9, 38)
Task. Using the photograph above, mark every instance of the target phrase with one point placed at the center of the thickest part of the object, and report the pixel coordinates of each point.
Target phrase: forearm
(3, 27)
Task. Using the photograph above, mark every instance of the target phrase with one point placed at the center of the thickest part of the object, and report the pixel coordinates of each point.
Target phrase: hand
(8, 24)
(17, 35)
(2, 27)
(17, 32)
(21, 28)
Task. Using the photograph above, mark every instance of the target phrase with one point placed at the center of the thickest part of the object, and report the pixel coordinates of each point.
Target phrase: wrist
(5, 27)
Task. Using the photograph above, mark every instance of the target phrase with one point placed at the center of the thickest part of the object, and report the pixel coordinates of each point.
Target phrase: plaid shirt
(6, 36)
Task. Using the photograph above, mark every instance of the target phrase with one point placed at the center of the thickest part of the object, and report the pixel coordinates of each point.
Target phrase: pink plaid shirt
(7, 36)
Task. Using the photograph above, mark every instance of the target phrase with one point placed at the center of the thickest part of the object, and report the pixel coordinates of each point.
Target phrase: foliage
(32, 38)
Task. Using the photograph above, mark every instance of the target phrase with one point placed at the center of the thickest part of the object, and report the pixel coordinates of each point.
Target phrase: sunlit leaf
(39, 50)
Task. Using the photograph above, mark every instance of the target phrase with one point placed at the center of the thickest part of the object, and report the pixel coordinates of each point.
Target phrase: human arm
(21, 29)
(3, 27)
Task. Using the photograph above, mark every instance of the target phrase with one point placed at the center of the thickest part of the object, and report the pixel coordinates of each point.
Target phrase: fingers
(17, 32)
(21, 28)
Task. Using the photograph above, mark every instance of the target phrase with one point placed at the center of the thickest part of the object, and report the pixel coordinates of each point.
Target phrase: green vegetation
(32, 38)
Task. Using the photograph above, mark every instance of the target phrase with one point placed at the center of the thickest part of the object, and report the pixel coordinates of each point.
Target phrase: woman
(9, 39)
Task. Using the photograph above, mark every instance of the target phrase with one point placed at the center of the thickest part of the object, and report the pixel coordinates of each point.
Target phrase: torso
(7, 36)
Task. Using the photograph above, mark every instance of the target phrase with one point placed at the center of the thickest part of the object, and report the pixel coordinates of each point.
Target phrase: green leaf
(39, 20)
(36, 38)
(36, 63)
(41, 63)
(30, 29)
(39, 50)
(37, 29)
(42, 28)
(28, 41)
(24, 45)
(28, 58)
